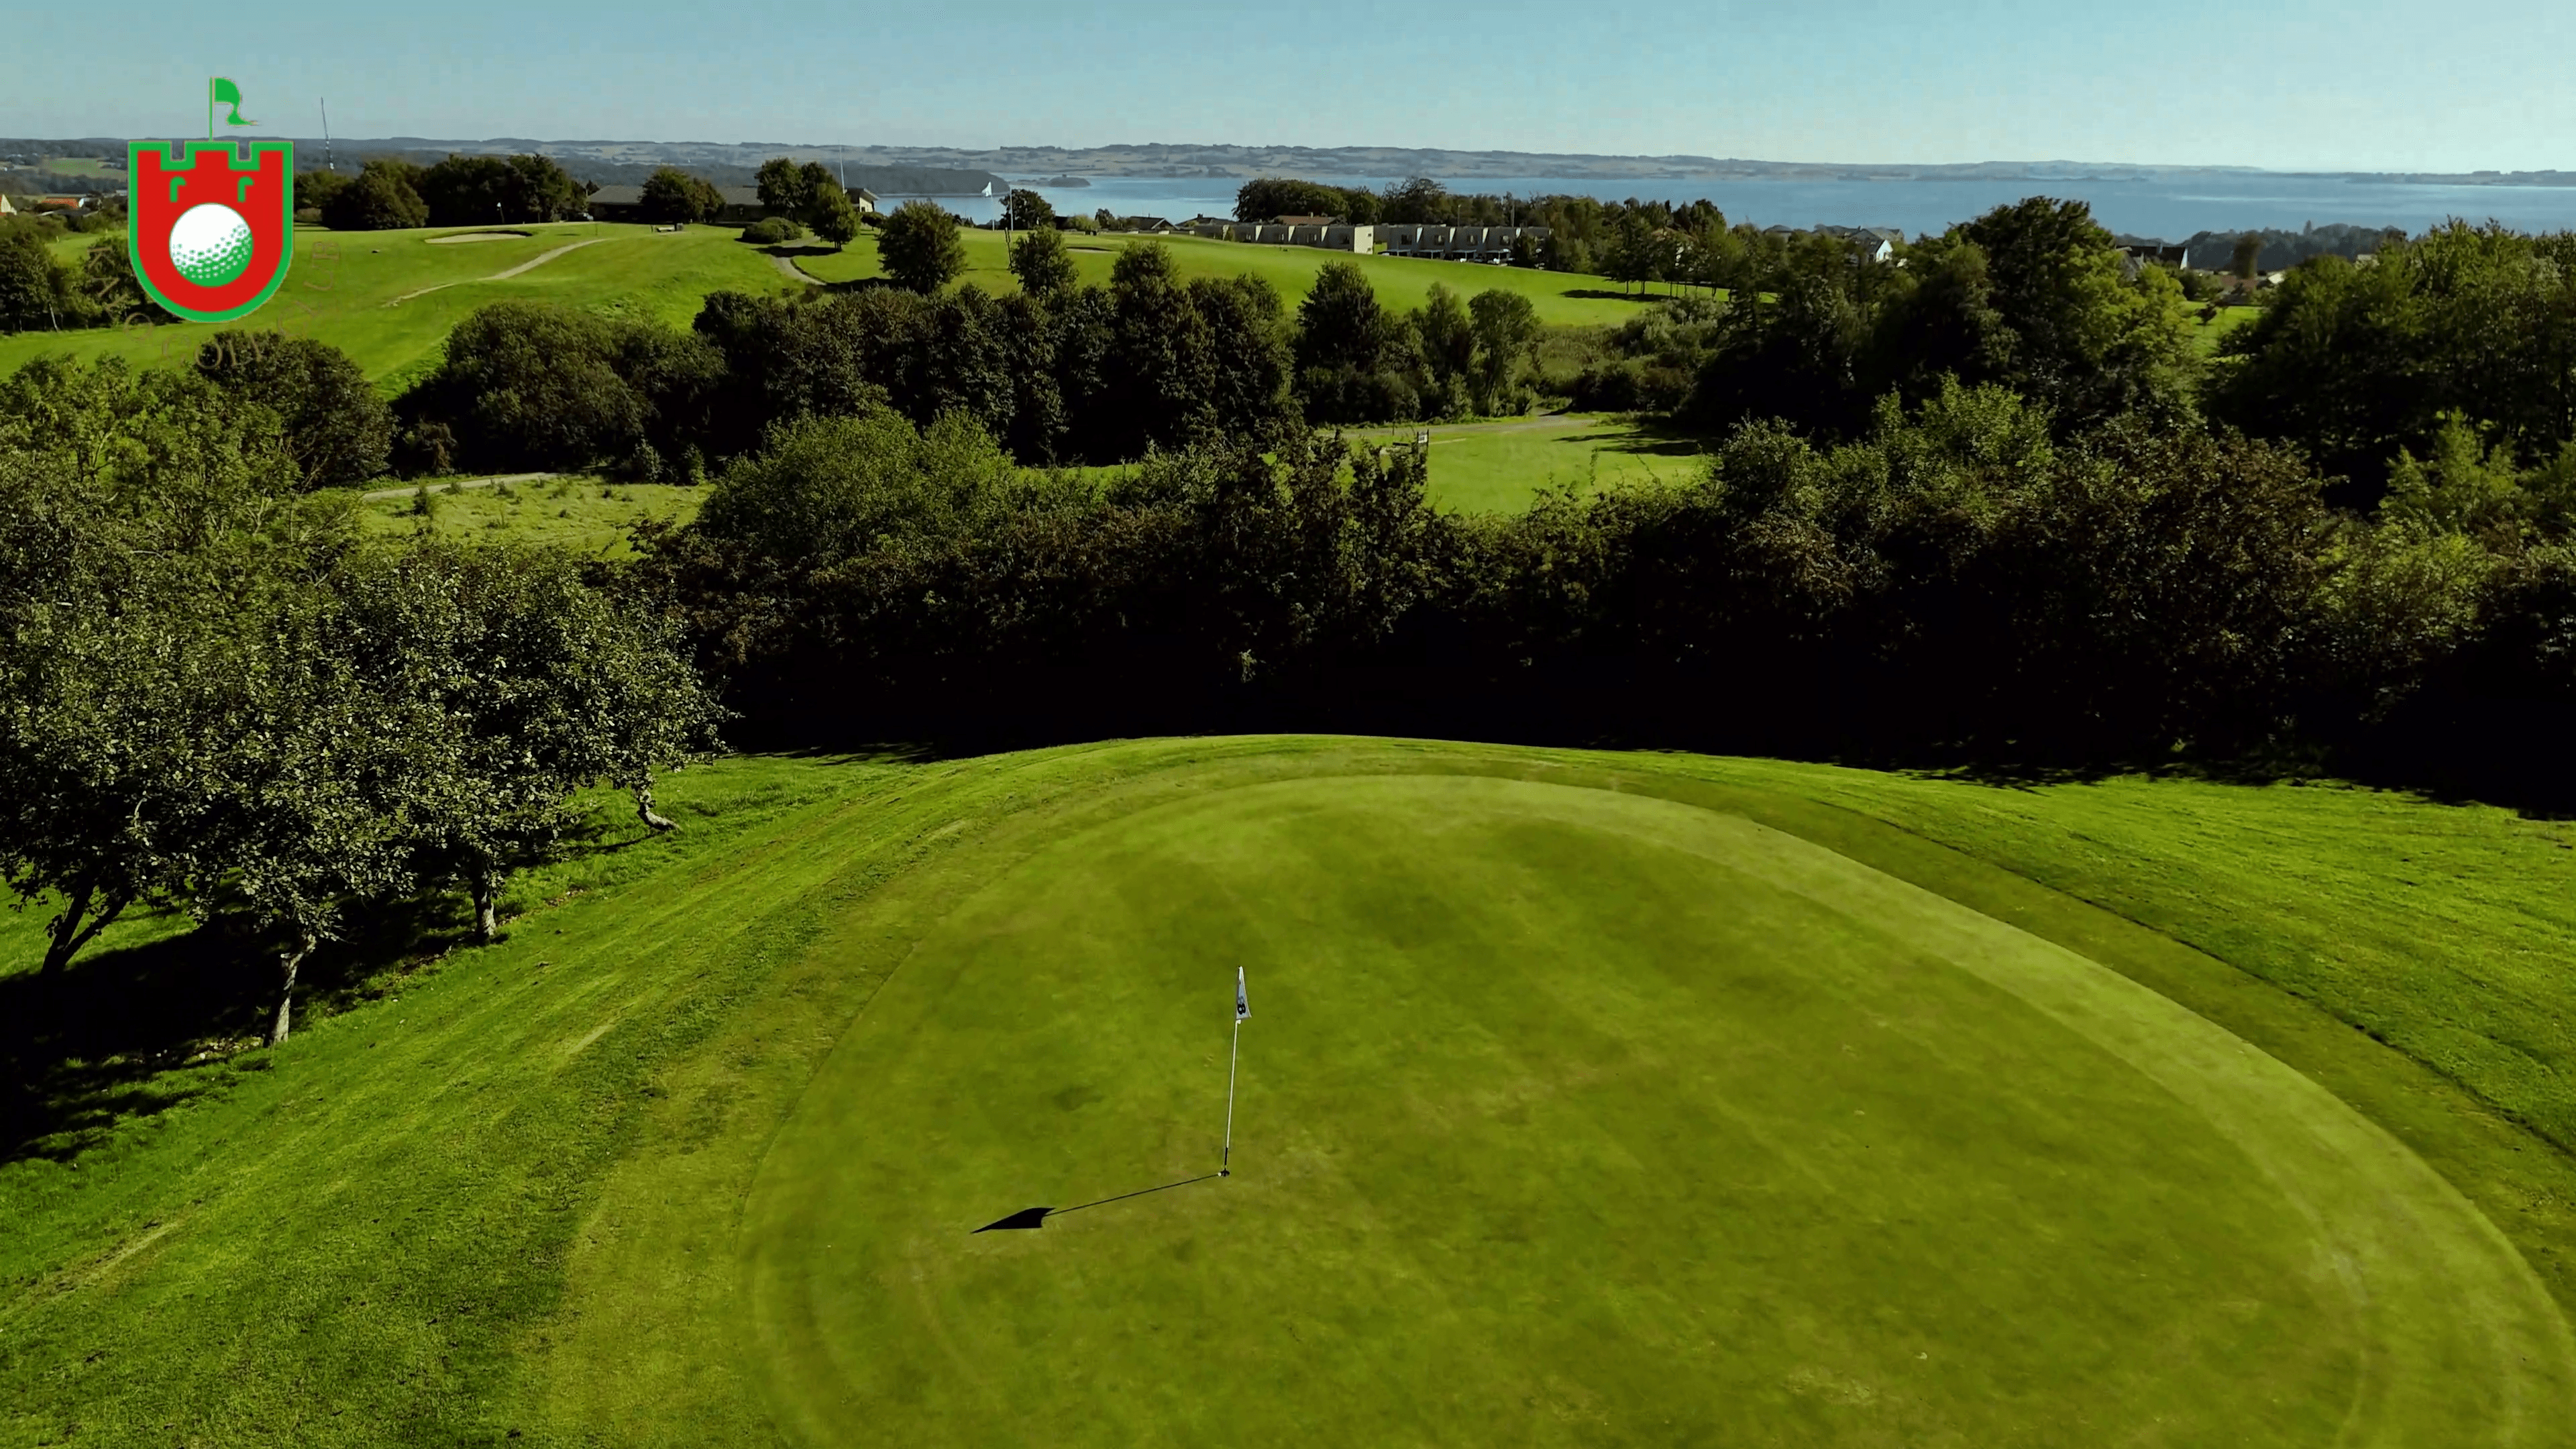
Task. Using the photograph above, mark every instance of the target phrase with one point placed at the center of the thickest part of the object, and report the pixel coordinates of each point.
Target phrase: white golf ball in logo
(210, 245)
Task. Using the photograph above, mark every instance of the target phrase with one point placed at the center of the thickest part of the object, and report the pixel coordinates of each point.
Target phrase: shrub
(769, 231)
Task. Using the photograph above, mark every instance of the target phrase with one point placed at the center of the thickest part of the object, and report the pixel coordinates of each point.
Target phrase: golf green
(1574, 1116)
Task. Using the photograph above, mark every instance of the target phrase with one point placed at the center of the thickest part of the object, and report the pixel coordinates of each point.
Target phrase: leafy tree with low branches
(383, 196)
(1041, 263)
(919, 247)
(673, 195)
(1025, 210)
(146, 526)
(782, 185)
(338, 428)
(832, 215)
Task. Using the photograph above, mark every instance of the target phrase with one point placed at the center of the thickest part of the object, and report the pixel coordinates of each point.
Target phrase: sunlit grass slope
(1586, 1098)
(355, 290)
(1502, 467)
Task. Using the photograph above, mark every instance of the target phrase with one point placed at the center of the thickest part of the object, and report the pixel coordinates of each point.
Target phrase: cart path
(531, 264)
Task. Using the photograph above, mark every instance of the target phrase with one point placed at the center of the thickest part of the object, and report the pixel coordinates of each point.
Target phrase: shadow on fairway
(1036, 1217)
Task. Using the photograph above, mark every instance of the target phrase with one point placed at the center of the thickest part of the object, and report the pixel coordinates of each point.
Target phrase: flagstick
(1225, 1164)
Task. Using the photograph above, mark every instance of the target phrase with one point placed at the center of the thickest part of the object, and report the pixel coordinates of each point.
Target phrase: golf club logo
(210, 236)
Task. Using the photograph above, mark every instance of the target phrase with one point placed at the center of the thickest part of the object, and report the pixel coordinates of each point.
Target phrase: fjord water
(2173, 207)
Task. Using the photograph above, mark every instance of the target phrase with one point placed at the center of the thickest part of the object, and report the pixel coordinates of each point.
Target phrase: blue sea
(2172, 209)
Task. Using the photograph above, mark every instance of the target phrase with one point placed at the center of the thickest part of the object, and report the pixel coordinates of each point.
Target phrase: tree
(146, 527)
(919, 247)
(338, 429)
(832, 215)
(107, 280)
(35, 295)
(383, 196)
(1266, 197)
(1637, 256)
(783, 187)
(314, 190)
(2354, 363)
(1041, 263)
(1448, 342)
(673, 195)
(1027, 211)
(539, 686)
(2247, 258)
(1506, 328)
(532, 385)
(1340, 323)
(1161, 392)
(1415, 200)
(473, 190)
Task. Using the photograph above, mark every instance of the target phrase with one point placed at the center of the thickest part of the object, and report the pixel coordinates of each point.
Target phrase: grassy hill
(1586, 1098)
(388, 298)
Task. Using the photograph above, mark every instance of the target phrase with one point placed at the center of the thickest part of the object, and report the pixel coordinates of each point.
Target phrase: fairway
(1502, 467)
(1576, 1116)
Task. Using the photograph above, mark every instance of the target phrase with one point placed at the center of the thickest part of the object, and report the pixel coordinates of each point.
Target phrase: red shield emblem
(210, 236)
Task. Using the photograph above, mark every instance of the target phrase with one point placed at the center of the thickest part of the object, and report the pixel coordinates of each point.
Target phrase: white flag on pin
(1242, 1003)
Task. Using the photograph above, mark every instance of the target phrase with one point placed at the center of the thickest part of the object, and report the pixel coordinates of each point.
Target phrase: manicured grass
(349, 289)
(1586, 1098)
(2207, 335)
(590, 516)
(1503, 467)
(1403, 283)
(70, 247)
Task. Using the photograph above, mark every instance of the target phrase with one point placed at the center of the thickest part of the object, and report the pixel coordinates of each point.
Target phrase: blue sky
(2302, 84)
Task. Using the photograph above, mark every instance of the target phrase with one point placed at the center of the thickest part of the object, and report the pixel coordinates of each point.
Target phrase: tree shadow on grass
(1600, 295)
(131, 1032)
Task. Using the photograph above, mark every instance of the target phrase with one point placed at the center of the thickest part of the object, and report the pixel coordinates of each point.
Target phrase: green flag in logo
(221, 92)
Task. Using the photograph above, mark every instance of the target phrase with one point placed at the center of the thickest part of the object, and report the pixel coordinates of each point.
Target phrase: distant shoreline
(1069, 167)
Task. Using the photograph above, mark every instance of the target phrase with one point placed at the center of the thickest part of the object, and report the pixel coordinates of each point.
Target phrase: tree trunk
(289, 962)
(485, 883)
(644, 810)
(65, 937)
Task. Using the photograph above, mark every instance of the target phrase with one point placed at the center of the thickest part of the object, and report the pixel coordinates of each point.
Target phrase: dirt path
(456, 485)
(794, 272)
(531, 264)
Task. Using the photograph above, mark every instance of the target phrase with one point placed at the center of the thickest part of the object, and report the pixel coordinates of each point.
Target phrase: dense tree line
(1961, 578)
(2034, 296)
(1060, 373)
(2359, 363)
(214, 696)
(388, 192)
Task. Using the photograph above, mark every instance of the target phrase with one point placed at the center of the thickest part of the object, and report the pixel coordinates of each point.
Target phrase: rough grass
(504, 1189)
(590, 516)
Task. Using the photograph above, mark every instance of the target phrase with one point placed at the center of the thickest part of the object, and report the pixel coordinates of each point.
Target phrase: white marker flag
(1242, 1003)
